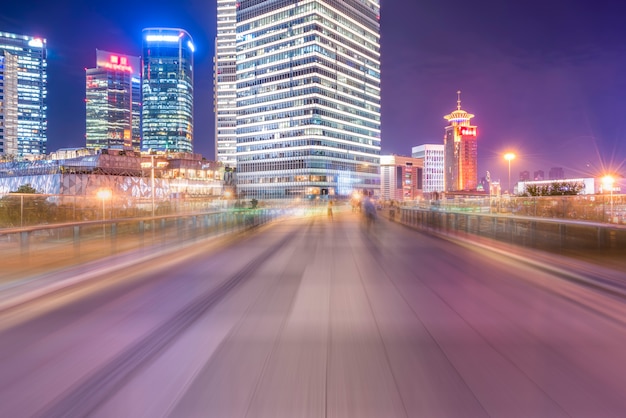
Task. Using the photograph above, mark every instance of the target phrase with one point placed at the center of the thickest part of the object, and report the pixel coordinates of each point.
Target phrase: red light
(114, 59)
(123, 61)
(467, 131)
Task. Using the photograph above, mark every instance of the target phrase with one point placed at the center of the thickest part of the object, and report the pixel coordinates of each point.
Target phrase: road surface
(312, 317)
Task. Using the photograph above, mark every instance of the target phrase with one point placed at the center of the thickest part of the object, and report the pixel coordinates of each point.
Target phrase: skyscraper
(308, 98)
(23, 95)
(460, 151)
(225, 83)
(167, 90)
(113, 101)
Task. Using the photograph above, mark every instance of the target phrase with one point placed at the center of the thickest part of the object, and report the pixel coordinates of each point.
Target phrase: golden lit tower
(460, 151)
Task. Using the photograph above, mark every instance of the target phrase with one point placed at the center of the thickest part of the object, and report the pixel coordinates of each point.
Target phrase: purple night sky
(544, 79)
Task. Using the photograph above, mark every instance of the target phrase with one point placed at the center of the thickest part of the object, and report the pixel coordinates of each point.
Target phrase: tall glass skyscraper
(113, 101)
(308, 98)
(23, 95)
(167, 89)
(225, 87)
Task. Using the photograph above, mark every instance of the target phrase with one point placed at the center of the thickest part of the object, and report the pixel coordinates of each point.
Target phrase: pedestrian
(370, 212)
(330, 209)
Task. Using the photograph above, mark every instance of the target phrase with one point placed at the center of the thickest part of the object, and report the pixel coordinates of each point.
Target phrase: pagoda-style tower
(460, 151)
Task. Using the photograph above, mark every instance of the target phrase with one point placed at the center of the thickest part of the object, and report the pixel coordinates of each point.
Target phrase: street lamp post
(104, 194)
(509, 156)
(607, 182)
(152, 182)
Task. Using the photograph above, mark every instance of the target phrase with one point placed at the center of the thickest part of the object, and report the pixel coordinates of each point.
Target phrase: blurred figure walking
(370, 212)
(330, 210)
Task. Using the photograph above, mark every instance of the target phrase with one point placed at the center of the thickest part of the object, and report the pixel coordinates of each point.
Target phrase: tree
(26, 188)
(558, 188)
(31, 210)
(566, 188)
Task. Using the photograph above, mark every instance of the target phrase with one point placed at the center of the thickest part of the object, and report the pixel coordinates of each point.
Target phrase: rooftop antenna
(458, 100)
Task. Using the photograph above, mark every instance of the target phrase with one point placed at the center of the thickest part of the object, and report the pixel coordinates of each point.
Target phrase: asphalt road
(316, 318)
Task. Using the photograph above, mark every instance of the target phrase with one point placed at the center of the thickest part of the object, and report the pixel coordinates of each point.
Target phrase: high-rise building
(432, 156)
(308, 98)
(167, 90)
(556, 173)
(113, 101)
(538, 175)
(461, 151)
(225, 83)
(524, 175)
(23, 95)
(400, 177)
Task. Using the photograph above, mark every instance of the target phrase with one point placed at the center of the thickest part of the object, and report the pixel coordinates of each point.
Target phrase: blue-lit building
(113, 102)
(167, 90)
(308, 97)
(23, 95)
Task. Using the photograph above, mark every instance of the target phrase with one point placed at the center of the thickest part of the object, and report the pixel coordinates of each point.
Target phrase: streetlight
(607, 183)
(152, 180)
(152, 191)
(104, 194)
(509, 156)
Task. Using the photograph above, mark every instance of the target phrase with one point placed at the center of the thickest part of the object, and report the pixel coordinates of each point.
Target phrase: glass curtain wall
(167, 89)
(308, 98)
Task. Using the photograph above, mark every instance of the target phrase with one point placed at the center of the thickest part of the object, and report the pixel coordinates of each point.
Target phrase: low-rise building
(401, 177)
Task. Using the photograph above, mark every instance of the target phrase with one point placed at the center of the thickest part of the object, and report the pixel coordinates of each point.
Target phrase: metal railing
(33, 249)
(593, 208)
(554, 235)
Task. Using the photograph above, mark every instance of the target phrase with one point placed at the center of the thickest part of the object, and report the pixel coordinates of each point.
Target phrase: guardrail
(47, 246)
(602, 208)
(539, 233)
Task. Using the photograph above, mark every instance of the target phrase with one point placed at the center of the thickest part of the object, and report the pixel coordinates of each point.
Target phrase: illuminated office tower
(113, 101)
(23, 95)
(167, 90)
(308, 98)
(225, 83)
(460, 151)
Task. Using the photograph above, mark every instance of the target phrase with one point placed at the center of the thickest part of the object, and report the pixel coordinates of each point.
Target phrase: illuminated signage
(467, 130)
(163, 38)
(35, 43)
(117, 62)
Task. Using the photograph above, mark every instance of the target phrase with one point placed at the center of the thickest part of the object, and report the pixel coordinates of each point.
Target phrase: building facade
(225, 83)
(461, 151)
(167, 90)
(432, 156)
(401, 177)
(113, 102)
(23, 95)
(308, 98)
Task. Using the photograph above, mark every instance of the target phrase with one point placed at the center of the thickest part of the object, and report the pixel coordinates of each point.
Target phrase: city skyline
(544, 82)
